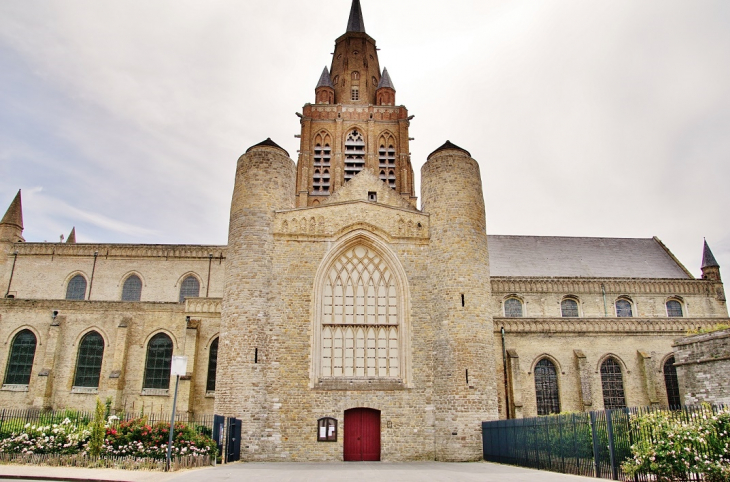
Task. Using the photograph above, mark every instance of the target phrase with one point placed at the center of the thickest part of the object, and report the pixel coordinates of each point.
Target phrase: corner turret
(325, 91)
(385, 95)
(710, 267)
(11, 226)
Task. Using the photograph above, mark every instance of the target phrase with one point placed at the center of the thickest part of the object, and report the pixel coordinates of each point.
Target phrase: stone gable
(366, 181)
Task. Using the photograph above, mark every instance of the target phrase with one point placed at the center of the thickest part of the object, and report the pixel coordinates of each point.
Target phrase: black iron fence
(592, 444)
(15, 420)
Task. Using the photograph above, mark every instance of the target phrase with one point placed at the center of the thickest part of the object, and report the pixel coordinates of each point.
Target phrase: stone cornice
(167, 251)
(203, 305)
(673, 326)
(613, 286)
(68, 306)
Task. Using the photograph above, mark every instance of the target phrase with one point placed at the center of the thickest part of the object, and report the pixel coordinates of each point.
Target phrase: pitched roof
(14, 214)
(708, 259)
(448, 145)
(267, 143)
(552, 256)
(355, 23)
(325, 80)
(385, 82)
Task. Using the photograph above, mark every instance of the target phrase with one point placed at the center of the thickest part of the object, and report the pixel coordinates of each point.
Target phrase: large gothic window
(612, 383)
(354, 154)
(158, 362)
(20, 362)
(76, 289)
(88, 362)
(360, 319)
(546, 388)
(672, 383)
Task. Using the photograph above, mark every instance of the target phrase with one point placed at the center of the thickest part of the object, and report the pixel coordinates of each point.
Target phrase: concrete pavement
(305, 472)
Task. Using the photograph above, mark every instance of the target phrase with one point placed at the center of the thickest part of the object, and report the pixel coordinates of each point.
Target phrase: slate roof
(552, 256)
(267, 143)
(708, 259)
(385, 82)
(325, 80)
(448, 145)
(356, 22)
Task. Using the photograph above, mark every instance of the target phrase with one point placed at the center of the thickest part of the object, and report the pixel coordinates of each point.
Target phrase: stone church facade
(336, 298)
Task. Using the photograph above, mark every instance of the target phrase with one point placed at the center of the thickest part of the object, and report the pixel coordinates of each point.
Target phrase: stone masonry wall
(703, 364)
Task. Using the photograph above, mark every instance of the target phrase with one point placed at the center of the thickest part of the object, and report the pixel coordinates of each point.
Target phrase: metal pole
(172, 423)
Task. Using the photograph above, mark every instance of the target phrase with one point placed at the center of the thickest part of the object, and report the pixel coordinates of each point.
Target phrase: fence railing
(592, 444)
(15, 420)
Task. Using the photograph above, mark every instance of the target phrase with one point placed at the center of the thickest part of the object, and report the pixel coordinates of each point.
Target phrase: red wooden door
(362, 435)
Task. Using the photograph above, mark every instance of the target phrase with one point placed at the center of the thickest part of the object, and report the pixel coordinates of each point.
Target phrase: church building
(342, 321)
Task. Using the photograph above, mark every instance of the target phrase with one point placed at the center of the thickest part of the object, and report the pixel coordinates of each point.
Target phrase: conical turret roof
(325, 80)
(448, 145)
(385, 82)
(71, 236)
(708, 259)
(356, 23)
(267, 143)
(14, 214)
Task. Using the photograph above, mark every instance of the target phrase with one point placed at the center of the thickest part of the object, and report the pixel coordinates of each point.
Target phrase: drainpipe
(504, 368)
(93, 268)
(605, 306)
(12, 270)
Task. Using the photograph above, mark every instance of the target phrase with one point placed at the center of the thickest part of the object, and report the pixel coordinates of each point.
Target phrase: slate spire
(385, 82)
(325, 80)
(356, 23)
(708, 259)
(14, 214)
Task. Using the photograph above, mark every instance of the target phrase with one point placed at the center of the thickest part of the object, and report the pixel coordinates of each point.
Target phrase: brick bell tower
(354, 123)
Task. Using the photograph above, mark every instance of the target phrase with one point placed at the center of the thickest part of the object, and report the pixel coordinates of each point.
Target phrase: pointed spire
(71, 236)
(356, 23)
(325, 80)
(385, 82)
(14, 214)
(708, 259)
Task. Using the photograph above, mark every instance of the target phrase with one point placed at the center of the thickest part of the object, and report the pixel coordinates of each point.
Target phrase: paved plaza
(308, 472)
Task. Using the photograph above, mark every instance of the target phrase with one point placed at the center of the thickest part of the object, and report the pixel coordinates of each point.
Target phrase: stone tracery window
(360, 318)
(354, 154)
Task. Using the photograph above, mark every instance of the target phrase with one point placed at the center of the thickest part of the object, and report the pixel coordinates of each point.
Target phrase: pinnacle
(325, 80)
(71, 236)
(385, 82)
(356, 22)
(708, 259)
(14, 214)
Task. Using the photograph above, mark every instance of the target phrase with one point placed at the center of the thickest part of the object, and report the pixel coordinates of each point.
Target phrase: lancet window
(386, 156)
(354, 154)
(546, 388)
(612, 384)
(360, 319)
(322, 159)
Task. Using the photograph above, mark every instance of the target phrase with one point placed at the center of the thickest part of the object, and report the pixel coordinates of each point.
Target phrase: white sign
(179, 365)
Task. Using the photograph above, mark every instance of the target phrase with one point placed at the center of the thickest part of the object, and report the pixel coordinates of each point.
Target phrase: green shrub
(140, 439)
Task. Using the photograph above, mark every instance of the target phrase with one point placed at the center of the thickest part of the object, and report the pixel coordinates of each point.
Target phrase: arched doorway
(362, 435)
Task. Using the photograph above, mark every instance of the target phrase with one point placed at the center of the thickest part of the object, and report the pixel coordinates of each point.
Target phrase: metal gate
(233, 440)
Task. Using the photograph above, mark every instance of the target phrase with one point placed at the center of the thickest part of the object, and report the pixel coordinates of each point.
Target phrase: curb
(59, 479)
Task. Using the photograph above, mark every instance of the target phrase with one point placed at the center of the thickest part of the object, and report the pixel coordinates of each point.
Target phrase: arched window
(612, 383)
(360, 318)
(132, 289)
(354, 154)
(190, 288)
(623, 308)
(20, 362)
(76, 289)
(88, 361)
(546, 388)
(674, 309)
(513, 308)
(386, 156)
(569, 308)
(672, 383)
(212, 366)
(157, 365)
(322, 158)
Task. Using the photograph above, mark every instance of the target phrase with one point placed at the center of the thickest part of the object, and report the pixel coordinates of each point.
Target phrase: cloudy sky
(588, 118)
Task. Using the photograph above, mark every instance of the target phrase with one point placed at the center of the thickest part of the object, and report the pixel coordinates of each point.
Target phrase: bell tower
(354, 123)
